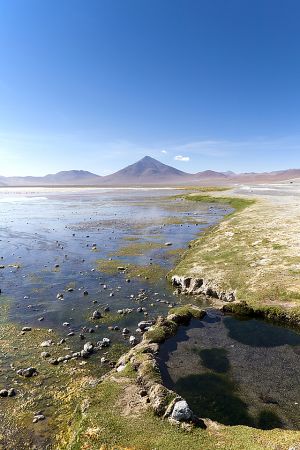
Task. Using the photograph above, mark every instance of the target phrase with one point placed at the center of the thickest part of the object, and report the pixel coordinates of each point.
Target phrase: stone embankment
(142, 359)
(190, 285)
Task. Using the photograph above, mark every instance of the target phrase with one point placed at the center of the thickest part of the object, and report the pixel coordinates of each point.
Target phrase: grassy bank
(253, 251)
(118, 418)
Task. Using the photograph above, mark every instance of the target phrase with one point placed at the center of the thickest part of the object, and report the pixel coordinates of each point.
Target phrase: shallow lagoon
(41, 228)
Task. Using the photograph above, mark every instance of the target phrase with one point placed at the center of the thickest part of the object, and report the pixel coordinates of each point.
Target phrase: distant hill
(211, 174)
(70, 177)
(149, 171)
(146, 171)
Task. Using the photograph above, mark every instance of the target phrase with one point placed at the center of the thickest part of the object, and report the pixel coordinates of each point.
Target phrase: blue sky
(98, 84)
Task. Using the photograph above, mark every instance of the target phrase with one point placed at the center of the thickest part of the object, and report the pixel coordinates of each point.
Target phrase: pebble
(96, 315)
(11, 392)
(27, 373)
(47, 343)
(88, 347)
(132, 340)
(38, 418)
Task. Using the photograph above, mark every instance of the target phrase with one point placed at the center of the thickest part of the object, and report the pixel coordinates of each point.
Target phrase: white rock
(181, 411)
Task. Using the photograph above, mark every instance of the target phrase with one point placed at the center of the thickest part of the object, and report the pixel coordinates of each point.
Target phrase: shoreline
(138, 371)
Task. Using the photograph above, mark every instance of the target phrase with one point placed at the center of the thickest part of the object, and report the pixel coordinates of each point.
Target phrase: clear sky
(198, 84)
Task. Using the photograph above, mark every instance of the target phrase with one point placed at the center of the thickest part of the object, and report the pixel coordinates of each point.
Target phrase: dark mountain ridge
(148, 171)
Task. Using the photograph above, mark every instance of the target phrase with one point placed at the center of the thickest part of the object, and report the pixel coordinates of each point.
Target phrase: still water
(236, 371)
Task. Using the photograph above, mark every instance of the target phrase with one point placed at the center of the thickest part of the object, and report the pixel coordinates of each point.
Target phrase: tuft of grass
(205, 188)
(235, 202)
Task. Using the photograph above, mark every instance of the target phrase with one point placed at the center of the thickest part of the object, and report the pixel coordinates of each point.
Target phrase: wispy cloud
(181, 158)
(164, 152)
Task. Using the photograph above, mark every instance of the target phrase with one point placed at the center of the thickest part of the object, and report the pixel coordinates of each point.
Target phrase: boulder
(181, 411)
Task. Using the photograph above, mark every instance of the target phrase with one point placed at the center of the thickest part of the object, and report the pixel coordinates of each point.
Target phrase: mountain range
(148, 171)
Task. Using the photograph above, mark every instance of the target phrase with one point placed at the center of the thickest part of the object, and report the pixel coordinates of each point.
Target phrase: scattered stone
(45, 355)
(88, 347)
(26, 329)
(106, 309)
(145, 325)
(96, 315)
(125, 331)
(4, 393)
(11, 392)
(85, 293)
(38, 418)
(167, 244)
(53, 361)
(60, 296)
(66, 324)
(27, 373)
(181, 411)
(47, 343)
(71, 333)
(132, 340)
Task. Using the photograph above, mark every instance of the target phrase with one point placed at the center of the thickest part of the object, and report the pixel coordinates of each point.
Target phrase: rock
(28, 372)
(132, 340)
(66, 324)
(121, 367)
(88, 347)
(38, 417)
(53, 361)
(105, 342)
(125, 331)
(96, 315)
(70, 289)
(26, 329)
(11, 392)
(71, 333)
(45, 355)
(103, 360)
(4, 393)
(47, 343)
(121, 268)
(106, 309)
(85, 293)
(181, 411)
(167, 244)
(60, 295)
(145, 325)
